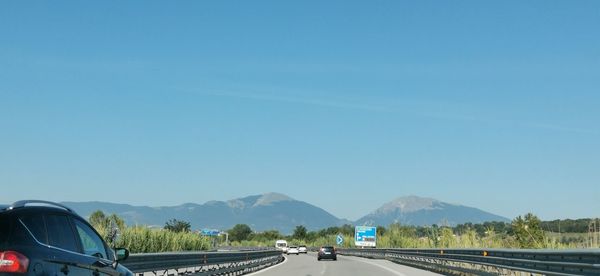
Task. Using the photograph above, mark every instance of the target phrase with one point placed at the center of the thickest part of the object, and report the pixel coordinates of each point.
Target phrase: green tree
(347, 230)
(178, 226)
(268, 236)
(117, 221)
(300, 232)
(240, 232)
(381, 230)
(528, 232)
(272, 234)
(98, 220)
(109, 227)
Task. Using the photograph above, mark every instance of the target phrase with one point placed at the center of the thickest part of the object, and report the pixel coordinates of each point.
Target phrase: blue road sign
(339, 239)
(365, 236)
(209, 232)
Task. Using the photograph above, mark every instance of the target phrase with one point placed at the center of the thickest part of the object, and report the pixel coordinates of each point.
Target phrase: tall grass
(144, 240)
(139, 239)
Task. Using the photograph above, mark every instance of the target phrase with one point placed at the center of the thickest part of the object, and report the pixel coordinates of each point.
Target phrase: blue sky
(343, 104)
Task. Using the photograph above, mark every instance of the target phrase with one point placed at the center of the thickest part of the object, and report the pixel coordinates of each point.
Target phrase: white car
(293, 250)
(281, 245)
(302, 249)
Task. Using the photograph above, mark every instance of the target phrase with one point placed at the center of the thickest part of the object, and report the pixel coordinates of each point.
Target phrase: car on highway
(327, 252)
(293, 250)
(46, 238)
(302, 249)
(281, 245)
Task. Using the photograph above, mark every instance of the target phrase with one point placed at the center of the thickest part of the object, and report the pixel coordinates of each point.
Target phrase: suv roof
(36, 203)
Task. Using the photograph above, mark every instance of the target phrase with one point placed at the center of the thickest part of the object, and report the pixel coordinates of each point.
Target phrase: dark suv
(327, 252)
(45, 238)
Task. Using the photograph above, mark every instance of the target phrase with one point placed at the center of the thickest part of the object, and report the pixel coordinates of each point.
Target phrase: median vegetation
(141, 239)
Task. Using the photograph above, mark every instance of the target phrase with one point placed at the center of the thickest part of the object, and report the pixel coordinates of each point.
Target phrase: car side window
(60, 233)
(91, 242)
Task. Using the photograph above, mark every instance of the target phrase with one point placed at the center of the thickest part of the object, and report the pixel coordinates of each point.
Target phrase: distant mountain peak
(258, 200)
(408, 204)
(414, 210)
(270, 198)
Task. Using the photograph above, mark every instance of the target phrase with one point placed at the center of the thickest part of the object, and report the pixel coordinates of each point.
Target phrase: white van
(281, 245)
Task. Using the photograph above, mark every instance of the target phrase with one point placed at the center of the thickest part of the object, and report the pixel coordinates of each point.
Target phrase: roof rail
(23, 203)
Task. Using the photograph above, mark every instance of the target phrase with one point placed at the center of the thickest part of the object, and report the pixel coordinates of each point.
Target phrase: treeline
(568, 225)
(526, 231)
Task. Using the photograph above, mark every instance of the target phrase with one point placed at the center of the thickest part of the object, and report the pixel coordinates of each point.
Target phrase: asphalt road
(307, 265)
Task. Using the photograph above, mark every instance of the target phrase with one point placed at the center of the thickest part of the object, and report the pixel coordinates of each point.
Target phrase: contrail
(391, 109)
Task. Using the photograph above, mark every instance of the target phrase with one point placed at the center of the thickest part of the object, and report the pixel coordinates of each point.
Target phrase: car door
(67, 254)
(98, 257)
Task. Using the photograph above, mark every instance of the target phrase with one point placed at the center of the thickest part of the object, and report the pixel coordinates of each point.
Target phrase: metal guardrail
(202, 263)
(490, 261)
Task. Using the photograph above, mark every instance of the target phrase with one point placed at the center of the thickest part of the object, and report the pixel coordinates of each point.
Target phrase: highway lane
(307, 265)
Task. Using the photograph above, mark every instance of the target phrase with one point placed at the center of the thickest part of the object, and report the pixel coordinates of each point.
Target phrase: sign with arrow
(339, 239)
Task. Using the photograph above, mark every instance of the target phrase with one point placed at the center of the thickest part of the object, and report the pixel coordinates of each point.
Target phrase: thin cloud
(562, 128)
(391, 109)
(505, 122)
(294, 100)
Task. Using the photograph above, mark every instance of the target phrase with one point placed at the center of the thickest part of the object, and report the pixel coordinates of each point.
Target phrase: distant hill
(413, 210)
(260, 212)
(280, 212)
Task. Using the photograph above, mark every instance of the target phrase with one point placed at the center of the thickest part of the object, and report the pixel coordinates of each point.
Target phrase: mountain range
(280, 212)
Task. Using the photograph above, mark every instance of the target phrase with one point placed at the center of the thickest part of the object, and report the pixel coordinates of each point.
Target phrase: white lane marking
(380, 266)
(285, 259)
(324, 268)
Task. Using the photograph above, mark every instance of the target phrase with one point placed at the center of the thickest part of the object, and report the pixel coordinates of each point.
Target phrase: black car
(45, 238)
(327, 252)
